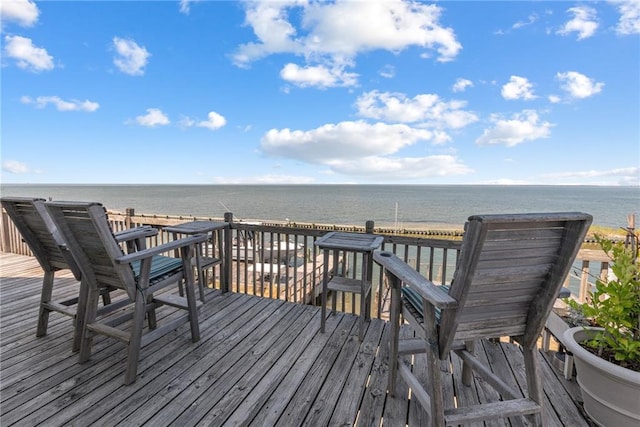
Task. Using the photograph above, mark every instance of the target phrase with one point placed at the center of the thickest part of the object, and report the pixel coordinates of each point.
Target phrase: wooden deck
(259, 362)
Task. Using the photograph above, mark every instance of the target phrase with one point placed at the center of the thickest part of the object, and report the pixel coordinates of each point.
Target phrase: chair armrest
(166, 247)
(407, 275)
(135, 233)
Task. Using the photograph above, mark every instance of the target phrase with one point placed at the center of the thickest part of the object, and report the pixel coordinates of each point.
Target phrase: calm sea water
(408, 206)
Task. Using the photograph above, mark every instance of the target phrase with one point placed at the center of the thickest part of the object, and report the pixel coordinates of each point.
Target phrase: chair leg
(133, 352)
(91, 312)
(81, 314)
(151, 314)
(434, 385)
(45, 297)
(467, 371)
(106, 297)
(191, 295)
(534, 385)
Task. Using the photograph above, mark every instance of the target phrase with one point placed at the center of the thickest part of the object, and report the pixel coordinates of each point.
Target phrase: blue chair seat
(414, 298)
(160, 266)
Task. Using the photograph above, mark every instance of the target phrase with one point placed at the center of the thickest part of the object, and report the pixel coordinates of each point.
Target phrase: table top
(197, 227)
(357, 242)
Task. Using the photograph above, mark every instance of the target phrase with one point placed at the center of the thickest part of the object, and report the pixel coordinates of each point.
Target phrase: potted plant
(607, 357)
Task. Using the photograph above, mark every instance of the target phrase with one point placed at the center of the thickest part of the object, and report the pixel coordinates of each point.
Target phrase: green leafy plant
(615, 306)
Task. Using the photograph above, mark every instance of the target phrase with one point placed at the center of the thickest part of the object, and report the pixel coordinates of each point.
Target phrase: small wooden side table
(204, 262)
(348, 242)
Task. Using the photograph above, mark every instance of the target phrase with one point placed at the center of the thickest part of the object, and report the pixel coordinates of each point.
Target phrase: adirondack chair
(39, 232)
(141, 274)
(508, 274)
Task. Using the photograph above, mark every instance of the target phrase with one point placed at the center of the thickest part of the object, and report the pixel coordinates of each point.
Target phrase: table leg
(325, 281)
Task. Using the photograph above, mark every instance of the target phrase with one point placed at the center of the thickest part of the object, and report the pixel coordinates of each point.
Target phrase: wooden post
(129, 212)
(368, 227)
(226, 282)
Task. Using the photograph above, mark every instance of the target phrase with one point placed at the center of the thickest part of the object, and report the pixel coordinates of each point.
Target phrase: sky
(331, 92)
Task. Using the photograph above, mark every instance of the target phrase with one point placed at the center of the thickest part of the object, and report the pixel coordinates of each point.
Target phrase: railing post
(129, 212)
(368, 227)
(228, 247)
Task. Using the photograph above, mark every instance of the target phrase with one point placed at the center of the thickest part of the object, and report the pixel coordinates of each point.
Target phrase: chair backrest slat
(39, 232)
(510, 270)
(89, 237)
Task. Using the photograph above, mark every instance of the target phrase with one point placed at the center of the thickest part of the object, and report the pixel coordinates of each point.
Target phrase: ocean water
(404, 206)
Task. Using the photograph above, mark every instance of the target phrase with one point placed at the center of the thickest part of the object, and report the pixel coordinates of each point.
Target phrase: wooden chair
(141, 274)
(509, 272)
(38, 231)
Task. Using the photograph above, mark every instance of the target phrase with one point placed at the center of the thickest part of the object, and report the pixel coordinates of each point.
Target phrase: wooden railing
(279, 259)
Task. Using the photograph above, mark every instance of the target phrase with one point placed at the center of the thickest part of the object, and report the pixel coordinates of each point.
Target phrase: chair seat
(160, 266)
(413, 298)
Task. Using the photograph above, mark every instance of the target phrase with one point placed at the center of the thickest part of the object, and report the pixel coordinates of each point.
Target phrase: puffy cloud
(23, 12)
(130, 57)
(333, 34)
(362, 149)
(345, 140)
(584, 22)
(578, 85)
(28, 56)
(154, 117)
(15, 167)
(522, 127)
(427, 109)
(461, 85)
(629, 22)
(60, 104)
(518, 88)
(214, 121)
(320, 76)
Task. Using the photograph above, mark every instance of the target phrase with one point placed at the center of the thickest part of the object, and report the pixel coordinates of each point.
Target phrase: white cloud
(28, 56)
(518, 88)
(361, 149)
(629, 22)
(23, 12)
(60, 104)
(130, 57)
(554, 99)
(185, 6)
(461, 85)
(214, 121)
(333, 34)
(531, 19)
(345, 140)
(428, 110)
(388, 71)
(522, 127)
(154, 117)
(618, 176)
(584, 22)
(15, 167)
(320, 76)
(578, 85)
(392, 168)
(265, 179)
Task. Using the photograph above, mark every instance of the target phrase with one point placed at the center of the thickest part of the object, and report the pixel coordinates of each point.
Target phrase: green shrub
(615, 306)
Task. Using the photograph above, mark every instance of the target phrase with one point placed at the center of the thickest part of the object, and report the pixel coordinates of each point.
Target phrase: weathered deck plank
(259, 362)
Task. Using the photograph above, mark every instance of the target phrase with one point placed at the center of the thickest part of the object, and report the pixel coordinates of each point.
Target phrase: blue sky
(392, 92)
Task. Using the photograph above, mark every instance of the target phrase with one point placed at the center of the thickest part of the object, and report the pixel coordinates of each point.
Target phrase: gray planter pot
(611, 393)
